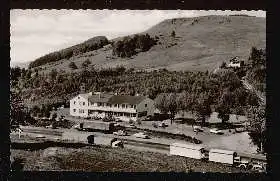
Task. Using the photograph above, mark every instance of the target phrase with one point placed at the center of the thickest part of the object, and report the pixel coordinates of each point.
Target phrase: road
(251, 88)
(154, 144)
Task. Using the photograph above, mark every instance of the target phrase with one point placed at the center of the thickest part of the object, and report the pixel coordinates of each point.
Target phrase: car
(50, 126)
(117, 144)
(40, 136)
(118, 120)
(131, 126)
(162, 124)
(216, 131)
(116, 124)
(197, 128)
(257, 168)
(120, 133)
(141, 135)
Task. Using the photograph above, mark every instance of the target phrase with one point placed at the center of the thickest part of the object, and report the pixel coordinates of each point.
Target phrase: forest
(130, 46)
(89, 45)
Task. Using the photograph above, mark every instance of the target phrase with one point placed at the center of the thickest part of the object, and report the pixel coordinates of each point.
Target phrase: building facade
(119, 106)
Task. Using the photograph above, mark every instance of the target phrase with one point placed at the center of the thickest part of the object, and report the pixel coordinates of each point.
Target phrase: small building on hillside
(100, 104)
(235, 63)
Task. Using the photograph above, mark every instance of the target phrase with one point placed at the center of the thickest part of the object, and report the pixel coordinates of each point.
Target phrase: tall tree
(257, 129)
(160, 103)
(17, 109)
(172, 105)
(203, 107)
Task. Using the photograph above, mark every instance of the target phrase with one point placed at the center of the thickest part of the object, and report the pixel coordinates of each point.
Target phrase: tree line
(89, 45)
(130, 46)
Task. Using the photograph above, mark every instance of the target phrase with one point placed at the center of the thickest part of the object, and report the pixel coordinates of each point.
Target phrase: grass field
(198, 46)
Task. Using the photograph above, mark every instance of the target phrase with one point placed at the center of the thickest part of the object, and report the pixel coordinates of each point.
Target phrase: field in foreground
(103, 159)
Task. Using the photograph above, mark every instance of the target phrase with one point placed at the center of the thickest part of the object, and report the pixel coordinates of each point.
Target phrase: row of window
(110, 105)
(80, 103)
(80, 110)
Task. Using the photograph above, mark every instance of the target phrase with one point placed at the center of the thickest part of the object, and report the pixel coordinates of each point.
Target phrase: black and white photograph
(138, 90)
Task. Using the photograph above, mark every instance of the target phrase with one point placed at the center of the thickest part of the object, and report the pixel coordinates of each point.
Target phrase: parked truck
(187, 150)
(100, 126)
(105, 141)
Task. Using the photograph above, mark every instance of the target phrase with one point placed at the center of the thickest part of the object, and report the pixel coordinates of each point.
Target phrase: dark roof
(120, 99)
(100, 98)
(115, 99)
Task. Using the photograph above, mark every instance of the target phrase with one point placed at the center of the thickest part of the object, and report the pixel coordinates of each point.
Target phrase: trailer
(106, 127)
(105, 141)
(187, 150)
(79, 137)
(222, 156)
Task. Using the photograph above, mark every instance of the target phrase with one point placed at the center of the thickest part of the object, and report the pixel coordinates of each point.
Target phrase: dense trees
(173, 34)
(130, 46)
(89, 45)
(257, 128)
(17, 109)
(73, 66)
(256, 75)
(86, 63)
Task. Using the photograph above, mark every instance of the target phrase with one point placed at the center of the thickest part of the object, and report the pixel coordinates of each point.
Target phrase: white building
(235, 62)
(120, 106)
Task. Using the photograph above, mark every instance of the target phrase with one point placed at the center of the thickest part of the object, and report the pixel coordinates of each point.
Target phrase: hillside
(201, 43)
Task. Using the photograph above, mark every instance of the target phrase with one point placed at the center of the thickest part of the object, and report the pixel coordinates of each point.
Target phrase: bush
(130, 121)
(138, 121)
(72, 65)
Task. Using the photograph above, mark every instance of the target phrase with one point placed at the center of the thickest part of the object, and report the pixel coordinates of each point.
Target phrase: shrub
(130, 121)
(72, 65)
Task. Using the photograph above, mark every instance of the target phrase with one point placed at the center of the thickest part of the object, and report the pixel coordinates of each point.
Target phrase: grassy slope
(201, 46)
(108, 159)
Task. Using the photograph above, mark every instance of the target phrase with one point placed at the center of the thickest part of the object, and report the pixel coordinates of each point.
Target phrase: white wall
(150, 106)
(221, 158)
(190, 153)
(79, 106)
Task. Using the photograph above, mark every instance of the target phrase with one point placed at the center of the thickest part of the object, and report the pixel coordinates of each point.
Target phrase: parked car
(162, 124)
(118, 120)
(120, 133)
(197, 128)
(216, 131)
(131, 126)
(40, 136)
(117, 144)
(258, 168)
(141, 135)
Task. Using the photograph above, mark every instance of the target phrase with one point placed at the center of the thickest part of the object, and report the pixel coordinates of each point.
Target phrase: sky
(35, 33)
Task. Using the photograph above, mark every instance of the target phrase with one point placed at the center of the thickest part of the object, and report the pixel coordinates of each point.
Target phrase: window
(74, 102)
(134, 106)
(146, 105)
(78, 97)
(123, 106)
(84, 103)
(118, 105)
(131, 106)
(108, 104)
(115, 105)
(74, 110)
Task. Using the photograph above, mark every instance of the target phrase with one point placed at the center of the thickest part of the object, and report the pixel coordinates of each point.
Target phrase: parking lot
(239, 142)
